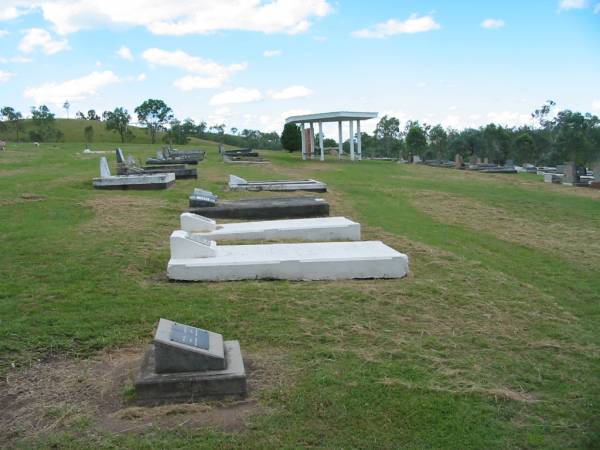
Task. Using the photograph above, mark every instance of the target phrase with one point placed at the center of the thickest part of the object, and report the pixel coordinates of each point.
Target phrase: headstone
(236, 181)
(509, 163)
(195, 223)
(458, 161)
(104, 169)
(120, 156)
(473, 159)
(485, 161)
(221, 149)
(187, 364)
(159, 154)
(596, 170)
(570, 177)
(416, 159)
(478, 160)
(201, 197)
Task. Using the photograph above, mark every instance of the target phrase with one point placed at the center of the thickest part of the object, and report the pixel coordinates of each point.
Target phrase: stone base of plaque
(186, 387)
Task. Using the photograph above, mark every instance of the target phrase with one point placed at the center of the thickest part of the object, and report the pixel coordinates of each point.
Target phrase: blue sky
(251, 63)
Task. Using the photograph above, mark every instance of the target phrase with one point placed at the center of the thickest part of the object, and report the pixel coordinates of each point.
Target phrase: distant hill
(73, 131)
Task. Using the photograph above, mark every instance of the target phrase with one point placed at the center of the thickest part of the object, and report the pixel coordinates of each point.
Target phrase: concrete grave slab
(315, 229)
(238, 183)
(305, 261)
(108, 181)
(265, 208)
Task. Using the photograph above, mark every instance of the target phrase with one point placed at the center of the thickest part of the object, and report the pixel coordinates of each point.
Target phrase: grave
(315, 229)
(570, 174)
(200, 198)
(189, 364)
(238, 183)
(162, 158)
(130, 167)
(148, 181)
(194, 258)
(261, 208)
(458, 161)
(595, 183)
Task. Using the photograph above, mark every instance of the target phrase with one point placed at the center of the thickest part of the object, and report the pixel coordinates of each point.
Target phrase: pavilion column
(358, 140)
(340, 140)
(321, 141)
(303, 137)
(352, 140)
(312, 141)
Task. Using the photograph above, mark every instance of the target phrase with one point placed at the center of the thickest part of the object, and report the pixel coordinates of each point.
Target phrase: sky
(252, 63)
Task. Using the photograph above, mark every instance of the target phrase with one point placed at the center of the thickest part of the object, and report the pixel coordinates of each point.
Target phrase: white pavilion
(308, 134)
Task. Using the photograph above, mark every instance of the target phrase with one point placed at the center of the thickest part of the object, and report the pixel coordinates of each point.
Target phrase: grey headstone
(120, 156)
(596, 170)
(570, 173)
(183, 348)
(104, 169)
(458, 161)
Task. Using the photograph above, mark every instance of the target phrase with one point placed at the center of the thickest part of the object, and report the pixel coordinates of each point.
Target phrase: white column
(352, 140)
(321, 141)
(312, 141)
(303, 137)
(359, 140)
(340, 140)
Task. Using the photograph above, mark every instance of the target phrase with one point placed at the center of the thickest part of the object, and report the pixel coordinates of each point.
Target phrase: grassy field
(491, 342)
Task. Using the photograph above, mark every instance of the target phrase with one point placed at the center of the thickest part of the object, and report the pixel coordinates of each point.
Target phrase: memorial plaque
(192, 336)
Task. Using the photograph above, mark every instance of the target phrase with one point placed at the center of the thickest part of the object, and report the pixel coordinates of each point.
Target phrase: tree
(91, 115)
(42, 116)
(525, 147)
(66, 106)
(118, 121)
(43, 119)
(387, 133)
(574, 137)
(497, 143)
(438, 141)
(201, 129)
(291, 138)
(416, 138)
(88, 133)
(176, 133)
(154, 114)
(80, 116)
(233, 130)
(13, 117)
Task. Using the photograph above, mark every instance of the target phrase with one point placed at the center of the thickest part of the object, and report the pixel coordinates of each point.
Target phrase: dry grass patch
(576, 243)
(90, 396)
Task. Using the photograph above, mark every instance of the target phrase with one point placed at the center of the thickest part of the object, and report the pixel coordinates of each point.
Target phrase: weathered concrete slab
(315, 229)
(306, 261)
(153, 181)
(265, 208)
(238, 183)
(159, 388)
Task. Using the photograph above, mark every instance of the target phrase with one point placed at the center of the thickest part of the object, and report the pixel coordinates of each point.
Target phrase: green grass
(491, 342)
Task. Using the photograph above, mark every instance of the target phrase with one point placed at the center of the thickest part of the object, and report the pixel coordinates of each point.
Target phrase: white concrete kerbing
(238, 183)
(108, 181)
(186, 246)
(195, 223)
(306, 261)
(321, 229)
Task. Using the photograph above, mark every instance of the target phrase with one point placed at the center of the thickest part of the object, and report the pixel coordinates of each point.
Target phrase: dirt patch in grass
(575, 243)
(33, 197)
(90, 396)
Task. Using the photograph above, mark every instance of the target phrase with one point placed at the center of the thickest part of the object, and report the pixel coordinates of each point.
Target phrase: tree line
(153, 114)
(550, 139)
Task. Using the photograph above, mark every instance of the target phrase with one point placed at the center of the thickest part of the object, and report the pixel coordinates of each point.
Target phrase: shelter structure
(308, 134)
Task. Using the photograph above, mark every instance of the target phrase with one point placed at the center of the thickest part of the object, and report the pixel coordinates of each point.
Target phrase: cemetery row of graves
(372, 299)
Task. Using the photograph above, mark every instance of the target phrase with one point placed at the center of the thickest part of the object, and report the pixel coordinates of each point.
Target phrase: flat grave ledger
(194, 258)
(238, 183)
(187, 364)
(141, 181)
(263, 208)
(313, 229)
(130, 167)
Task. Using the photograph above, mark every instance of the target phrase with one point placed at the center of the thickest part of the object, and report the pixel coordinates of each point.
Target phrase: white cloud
(492, 24)
(291, 92)
(72, 90)
(4, 33)
(237, 95)
(271, 53)
(596, 105)
(181, 17)
(5, 76)
(16, 59)
(451, 121)
(421, 84)
(414, 24)
(221, 115)
(9, 12)
(38, 37)
(125, 53)
(141, 77)
(509, 118)
(213, 74)
(573, 4)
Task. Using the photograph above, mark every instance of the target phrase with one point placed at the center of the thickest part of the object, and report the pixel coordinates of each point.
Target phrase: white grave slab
(194, 260)
(148, 181)
(238, 183)
(320, 229)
